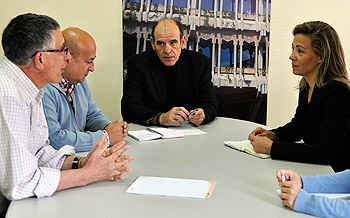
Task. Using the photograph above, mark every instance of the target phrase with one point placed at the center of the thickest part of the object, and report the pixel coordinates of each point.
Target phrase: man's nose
(167, 48)
(92, 67)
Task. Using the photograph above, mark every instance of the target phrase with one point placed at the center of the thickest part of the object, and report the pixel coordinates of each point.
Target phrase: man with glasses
(35, 55)
(72, 115)
(168, 85)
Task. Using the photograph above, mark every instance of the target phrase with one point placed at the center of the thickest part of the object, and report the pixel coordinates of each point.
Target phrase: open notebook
(246, 147)
(154, 133)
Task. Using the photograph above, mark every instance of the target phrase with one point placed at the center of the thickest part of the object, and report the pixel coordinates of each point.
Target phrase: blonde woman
(322, 118)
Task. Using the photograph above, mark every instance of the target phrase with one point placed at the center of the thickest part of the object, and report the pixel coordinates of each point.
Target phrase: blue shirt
(320, 205)
(81, 129)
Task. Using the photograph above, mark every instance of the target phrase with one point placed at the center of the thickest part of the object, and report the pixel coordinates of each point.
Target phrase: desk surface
(246, 185)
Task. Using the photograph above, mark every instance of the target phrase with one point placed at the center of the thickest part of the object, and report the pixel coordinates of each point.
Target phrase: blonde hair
(326, 44)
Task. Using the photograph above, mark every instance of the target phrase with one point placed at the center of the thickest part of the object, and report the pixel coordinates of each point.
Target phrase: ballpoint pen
(193, 112)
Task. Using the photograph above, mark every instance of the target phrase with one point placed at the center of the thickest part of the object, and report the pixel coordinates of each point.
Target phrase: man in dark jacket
(168, 85)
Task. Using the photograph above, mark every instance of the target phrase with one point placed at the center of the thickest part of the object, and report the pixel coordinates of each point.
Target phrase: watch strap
(75, 164)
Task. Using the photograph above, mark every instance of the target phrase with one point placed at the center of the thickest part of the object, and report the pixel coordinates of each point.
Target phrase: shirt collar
(29, 91)
(66, 87)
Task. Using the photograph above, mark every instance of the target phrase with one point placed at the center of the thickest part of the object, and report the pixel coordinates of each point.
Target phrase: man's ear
(39, 61)
(152, 42)
(183, 41)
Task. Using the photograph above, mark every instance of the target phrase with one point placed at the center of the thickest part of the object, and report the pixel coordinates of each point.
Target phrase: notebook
(154, 133)
(172, 187)
(246, 147)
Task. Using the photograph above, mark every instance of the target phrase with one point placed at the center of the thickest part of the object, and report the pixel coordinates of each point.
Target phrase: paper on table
(143, 135)
(246, 147)
(165, 132)
(187, 130)
(172, 187)
(154, 133)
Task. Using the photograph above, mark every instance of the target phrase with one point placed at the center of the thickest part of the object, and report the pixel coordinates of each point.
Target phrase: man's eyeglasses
(64, 49)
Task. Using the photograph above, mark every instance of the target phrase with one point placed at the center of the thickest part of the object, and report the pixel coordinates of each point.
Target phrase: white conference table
(246, 185)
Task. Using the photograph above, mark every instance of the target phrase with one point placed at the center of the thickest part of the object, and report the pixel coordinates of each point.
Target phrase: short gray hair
(27, 34)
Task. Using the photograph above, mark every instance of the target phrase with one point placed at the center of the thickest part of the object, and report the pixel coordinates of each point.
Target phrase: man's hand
(177, 116)
(196, 116)
(106, 165)
(117, 131)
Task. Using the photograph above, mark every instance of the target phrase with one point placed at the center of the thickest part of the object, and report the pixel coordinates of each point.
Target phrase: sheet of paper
(245, 146)
(165, 132)
(171, 187)
(187, 130)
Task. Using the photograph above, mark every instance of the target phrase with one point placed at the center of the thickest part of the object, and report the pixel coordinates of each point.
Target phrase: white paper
(187, 130)
(165, 132)
(172, 187)
(143, 135)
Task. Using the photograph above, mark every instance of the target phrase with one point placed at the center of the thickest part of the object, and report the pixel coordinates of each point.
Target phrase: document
(172, 187)
(246, 147)
(187, 130)
(154, 133)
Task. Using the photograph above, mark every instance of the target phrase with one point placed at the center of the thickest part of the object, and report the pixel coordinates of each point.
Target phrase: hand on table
(106, 165)
(263, 132)
(198, 116)
(176, 116)
(117, 131)
(290, 188)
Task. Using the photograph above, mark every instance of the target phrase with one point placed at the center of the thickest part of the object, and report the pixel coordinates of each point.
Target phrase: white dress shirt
(29, 166)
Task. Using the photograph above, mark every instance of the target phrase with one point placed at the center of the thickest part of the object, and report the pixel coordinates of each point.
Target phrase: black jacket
(323, 125)
(145, 95)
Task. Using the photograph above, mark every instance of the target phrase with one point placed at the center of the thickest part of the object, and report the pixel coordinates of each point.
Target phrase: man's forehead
(167, 29)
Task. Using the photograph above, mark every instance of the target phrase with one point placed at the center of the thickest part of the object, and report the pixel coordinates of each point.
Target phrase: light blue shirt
(320, 205)
(82, 129)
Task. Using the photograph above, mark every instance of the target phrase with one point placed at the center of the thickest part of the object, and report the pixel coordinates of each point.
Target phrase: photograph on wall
(234, 34)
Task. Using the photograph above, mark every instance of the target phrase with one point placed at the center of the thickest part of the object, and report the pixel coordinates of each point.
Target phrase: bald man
(72, 115)
(168, 85)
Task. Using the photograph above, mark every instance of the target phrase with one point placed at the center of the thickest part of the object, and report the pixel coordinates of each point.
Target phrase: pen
(278, 192)
(193, 112)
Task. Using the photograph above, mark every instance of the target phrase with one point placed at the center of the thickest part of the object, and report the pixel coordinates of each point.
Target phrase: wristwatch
(75, 164)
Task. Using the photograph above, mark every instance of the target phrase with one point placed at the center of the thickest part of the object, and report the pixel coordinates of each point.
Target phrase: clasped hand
(102, 164)
(261, 139)
(117, 131)
(178, 115)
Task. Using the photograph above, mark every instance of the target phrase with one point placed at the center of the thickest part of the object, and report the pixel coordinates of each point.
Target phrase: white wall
(285, 15)
(103, 20)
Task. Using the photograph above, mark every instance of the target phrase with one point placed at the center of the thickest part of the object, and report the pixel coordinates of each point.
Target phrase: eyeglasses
(64, 49)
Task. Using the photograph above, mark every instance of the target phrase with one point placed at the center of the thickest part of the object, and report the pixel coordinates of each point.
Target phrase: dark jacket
(145, 95)
(323, 125)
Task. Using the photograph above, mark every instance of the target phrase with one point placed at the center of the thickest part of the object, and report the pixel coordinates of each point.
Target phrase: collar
(66, 87)
(27, 88)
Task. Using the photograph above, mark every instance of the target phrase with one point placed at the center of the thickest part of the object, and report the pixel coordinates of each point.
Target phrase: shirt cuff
(48, 182)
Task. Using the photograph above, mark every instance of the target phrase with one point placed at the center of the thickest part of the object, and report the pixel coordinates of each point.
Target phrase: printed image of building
(234, 34)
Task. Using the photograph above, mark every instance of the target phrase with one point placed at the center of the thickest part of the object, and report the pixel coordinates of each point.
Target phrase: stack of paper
(245, 146)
